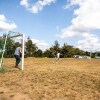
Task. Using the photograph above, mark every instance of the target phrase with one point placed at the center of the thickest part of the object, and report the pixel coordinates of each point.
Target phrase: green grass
(2, 70)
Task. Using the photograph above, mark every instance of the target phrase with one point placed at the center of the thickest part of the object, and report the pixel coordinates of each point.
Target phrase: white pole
(90, 55)
(23, 46)
(3, 51)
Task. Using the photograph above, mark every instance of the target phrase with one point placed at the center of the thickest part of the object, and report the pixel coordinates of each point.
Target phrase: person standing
(17, 55)
(58, 56)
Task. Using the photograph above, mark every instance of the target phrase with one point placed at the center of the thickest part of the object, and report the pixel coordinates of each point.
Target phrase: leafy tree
(56, 46)
(10, 48)
(87, 53)
(70, 51)
(30, 47)
(67, 50)
(77, 51)
(64, 50)
(49, 53)
(38, 53)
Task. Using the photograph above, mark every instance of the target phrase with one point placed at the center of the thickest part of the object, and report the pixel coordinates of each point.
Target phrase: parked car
(97, 57)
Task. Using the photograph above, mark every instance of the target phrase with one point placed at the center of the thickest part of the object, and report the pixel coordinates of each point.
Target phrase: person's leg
(17, 60)
(57, 59)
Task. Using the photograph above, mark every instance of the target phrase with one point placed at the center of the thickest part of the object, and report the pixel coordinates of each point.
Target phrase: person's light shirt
(17, 51)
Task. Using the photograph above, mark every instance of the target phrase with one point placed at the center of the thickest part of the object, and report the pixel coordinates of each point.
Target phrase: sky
(75, 22)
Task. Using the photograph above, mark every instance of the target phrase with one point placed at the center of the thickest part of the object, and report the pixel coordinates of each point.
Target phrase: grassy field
(41, 79)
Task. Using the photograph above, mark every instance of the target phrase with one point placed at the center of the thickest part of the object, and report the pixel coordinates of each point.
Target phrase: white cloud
(36, 7)
(41, 44)
(24, 3)
(88, 15)
(90, 42)
(87, 19)
(6, 26)
(2, 18)
(69, 32)
(73, 2)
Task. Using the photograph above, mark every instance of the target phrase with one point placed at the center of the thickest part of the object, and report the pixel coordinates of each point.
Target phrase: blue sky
(75, 22)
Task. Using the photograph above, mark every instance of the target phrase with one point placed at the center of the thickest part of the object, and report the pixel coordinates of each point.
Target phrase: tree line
(31, 50)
